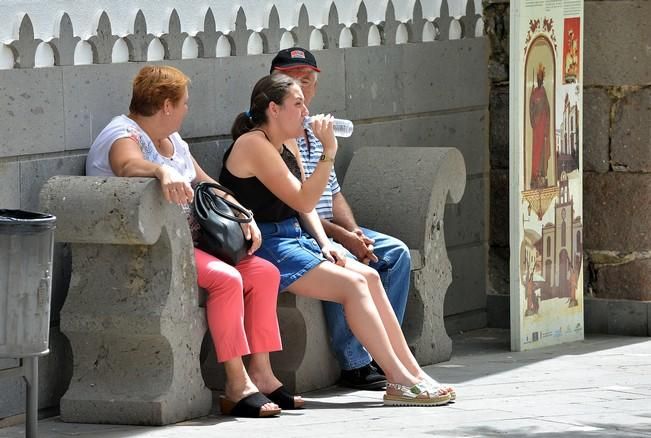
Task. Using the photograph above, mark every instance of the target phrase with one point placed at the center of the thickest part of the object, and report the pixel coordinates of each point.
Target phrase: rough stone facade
(616, 159)
(496, 19)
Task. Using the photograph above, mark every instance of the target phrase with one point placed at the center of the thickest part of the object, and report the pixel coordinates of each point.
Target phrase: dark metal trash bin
(26, 245)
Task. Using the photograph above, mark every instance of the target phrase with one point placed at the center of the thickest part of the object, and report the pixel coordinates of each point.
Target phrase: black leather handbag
(220, 219)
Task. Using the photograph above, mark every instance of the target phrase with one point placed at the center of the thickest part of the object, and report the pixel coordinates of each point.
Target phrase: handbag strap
(204, 193)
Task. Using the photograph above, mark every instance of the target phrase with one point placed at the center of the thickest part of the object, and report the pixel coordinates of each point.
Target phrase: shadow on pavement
(483, 352)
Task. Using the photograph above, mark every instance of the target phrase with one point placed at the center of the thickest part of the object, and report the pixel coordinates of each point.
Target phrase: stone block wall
(616, 160)
(414, 82)
(496, 19)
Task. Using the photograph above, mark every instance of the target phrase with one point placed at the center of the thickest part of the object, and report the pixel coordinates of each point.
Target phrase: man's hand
(359, 245)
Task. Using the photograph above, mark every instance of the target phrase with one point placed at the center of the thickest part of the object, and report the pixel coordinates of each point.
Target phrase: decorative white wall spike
(121, 31)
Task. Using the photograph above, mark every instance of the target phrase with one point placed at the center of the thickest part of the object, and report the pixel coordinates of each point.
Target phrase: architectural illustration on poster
(546, 176)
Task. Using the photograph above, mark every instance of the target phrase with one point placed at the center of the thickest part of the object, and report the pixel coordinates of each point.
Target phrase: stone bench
(133, 313)
(401, 192)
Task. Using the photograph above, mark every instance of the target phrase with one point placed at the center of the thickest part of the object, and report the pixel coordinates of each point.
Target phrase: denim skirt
(291, 250)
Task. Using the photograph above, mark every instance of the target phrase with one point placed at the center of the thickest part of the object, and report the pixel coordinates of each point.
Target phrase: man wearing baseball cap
(387, 255)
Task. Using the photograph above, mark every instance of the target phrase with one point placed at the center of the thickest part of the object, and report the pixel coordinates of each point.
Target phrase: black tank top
(252, 194)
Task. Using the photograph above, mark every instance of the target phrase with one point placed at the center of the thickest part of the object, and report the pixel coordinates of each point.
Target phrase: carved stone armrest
(131, 313)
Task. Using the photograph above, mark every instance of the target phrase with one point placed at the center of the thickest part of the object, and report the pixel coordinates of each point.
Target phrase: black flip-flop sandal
(285, 399)
(250, 406)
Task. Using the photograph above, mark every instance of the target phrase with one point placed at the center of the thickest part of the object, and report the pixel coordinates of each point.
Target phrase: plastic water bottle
(341, 127)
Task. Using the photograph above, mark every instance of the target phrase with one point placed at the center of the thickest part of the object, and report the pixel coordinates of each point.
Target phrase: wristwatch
(324, 157)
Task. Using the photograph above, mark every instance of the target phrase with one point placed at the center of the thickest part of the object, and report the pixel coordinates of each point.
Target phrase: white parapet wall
(66, 32)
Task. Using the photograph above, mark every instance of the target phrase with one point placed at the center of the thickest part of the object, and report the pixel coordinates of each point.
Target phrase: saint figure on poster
(571, 58)
(539, 116)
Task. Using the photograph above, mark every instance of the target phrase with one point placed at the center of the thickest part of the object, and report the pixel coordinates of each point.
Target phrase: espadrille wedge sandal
(417, 395)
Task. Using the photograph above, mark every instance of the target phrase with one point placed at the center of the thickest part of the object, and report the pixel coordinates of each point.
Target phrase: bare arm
(311, 223)
(253, 155)
(344, 229)
(334, 231)
(126, 159)
(342, 214)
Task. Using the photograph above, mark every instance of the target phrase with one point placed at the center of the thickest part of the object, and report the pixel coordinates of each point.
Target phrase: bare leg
(264, 378)
(239, 384)
(391, 324)
(262, 374)
(388, 317)
(330, 282)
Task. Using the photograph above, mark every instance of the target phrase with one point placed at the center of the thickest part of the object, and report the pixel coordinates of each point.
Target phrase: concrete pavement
(600, 387)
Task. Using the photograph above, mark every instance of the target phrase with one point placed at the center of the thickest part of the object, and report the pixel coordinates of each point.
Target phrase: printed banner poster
(546, 224)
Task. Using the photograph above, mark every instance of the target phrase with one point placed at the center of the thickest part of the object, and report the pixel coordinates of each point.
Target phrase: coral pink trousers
(241, 304)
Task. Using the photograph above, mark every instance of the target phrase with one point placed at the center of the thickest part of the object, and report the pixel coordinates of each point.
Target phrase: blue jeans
(394, 266)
